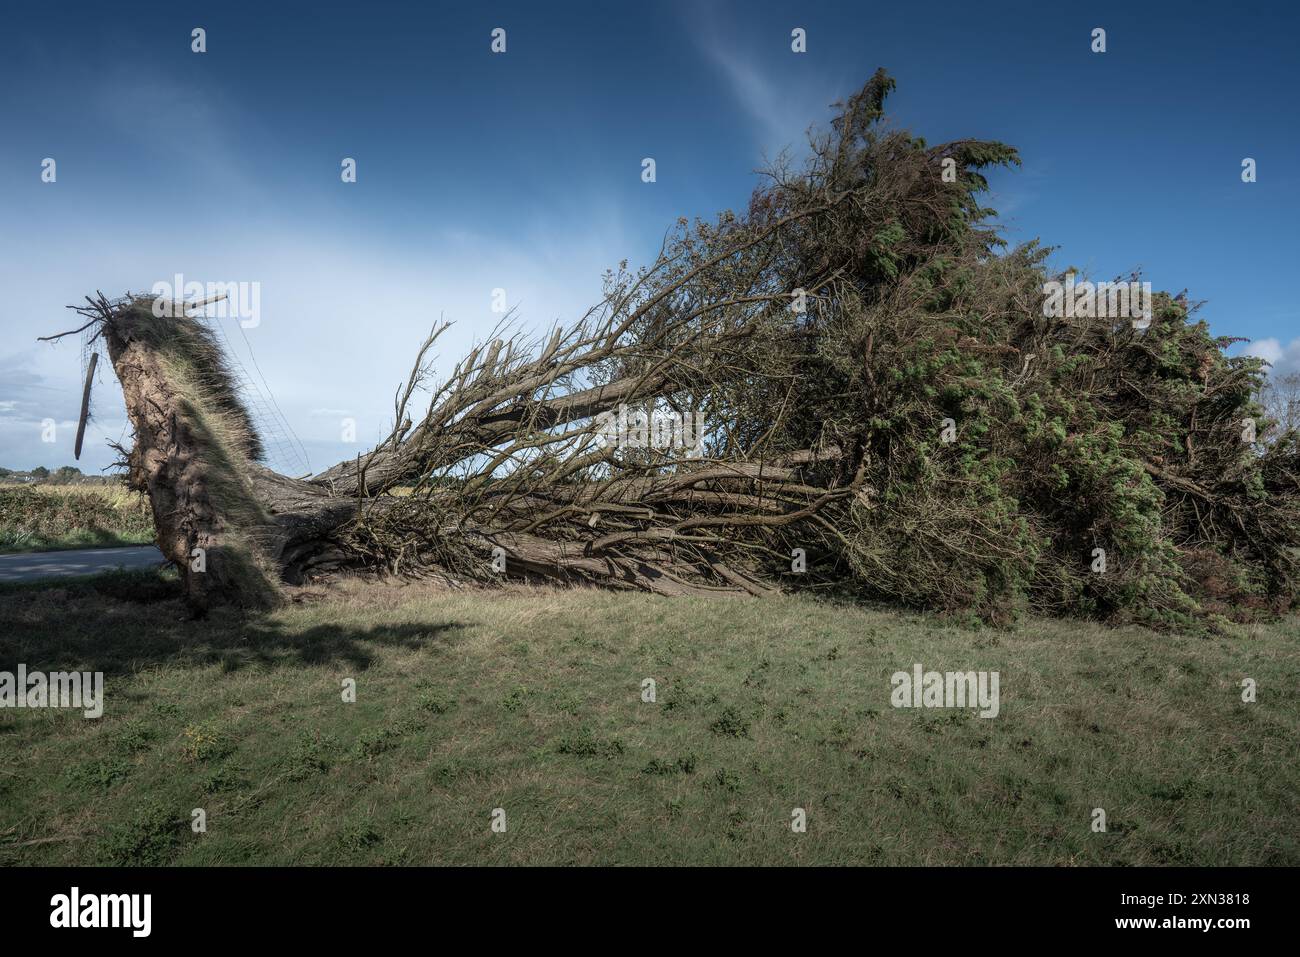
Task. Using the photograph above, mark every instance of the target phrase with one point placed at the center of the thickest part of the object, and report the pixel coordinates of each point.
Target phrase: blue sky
(521, 170)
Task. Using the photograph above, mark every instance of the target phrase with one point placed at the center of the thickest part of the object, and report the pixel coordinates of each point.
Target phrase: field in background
(529, 700)
(37, 518)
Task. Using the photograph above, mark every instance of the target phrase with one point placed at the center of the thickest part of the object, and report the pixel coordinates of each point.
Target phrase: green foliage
(585, 743)
(39, 517)
(148, 838)
(730, 724)
(1068, 434)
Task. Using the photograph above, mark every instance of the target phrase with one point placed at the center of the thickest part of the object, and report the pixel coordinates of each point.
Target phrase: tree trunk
(238, 530)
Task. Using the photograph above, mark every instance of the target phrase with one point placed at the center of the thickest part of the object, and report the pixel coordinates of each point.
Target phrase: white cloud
(1284, 358)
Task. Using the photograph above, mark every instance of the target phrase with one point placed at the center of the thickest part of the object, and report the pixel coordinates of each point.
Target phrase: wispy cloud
(753, 90)
(780, 102)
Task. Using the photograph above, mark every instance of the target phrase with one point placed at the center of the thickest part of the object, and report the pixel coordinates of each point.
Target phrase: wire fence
(284, 451)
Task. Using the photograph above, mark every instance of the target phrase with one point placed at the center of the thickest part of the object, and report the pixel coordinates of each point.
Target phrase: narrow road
(33, 566)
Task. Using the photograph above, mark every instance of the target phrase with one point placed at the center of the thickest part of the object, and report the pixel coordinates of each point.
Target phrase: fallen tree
(884, 409)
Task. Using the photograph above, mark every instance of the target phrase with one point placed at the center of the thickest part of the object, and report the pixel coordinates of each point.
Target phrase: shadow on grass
(130, 621)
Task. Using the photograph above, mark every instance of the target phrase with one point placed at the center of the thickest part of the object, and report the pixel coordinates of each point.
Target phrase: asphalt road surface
(33, 566)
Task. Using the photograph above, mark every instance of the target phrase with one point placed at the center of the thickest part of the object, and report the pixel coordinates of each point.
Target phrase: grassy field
(44, 517)
(529, 700)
